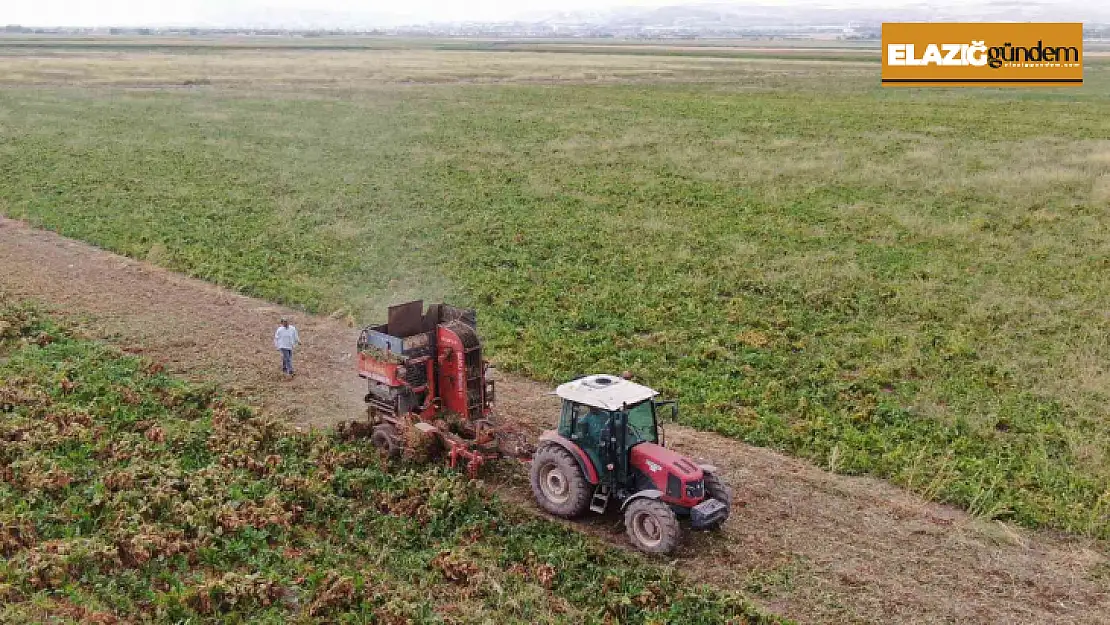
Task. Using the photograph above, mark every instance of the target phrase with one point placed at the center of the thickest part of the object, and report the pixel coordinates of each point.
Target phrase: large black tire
(716, 488)
(387, 441)
(652, 526)
(557, 482)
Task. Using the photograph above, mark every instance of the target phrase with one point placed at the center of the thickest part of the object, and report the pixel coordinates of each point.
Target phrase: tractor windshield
(641, 424)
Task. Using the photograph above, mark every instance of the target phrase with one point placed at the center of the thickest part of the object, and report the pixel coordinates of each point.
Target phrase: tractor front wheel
(558, 483)
(715, 488)
(387, 441)
(652, 526)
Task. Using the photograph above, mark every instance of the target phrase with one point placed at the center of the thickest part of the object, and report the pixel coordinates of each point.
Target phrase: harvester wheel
(652, 526)
(558, 483)
(387, 441)
(716, 488)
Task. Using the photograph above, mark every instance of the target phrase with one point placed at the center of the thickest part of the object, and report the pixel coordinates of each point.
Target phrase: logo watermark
(969, 55)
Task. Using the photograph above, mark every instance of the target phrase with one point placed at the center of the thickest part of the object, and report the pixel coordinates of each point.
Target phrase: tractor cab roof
(608, 392)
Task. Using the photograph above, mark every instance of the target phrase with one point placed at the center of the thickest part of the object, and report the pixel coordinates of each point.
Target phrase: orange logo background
(982, 55)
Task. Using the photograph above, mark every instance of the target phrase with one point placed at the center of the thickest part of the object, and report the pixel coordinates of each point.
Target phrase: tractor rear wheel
(558, 483)
(715, 488)
(387, 441)
(652, 526)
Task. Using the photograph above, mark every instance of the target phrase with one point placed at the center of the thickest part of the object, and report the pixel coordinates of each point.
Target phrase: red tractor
(428, 393)
(609, 447)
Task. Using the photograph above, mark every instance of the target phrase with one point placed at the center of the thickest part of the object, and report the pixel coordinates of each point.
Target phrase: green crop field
(126, 494)
(911, 284)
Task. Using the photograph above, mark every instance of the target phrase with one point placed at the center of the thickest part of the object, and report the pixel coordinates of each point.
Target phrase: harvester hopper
(428, 389)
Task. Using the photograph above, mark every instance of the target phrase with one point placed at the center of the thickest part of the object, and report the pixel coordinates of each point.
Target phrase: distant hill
(748, 18)
(816, 13)
(859, 18)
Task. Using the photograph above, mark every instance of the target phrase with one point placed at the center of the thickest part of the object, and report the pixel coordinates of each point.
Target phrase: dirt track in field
(807, 544)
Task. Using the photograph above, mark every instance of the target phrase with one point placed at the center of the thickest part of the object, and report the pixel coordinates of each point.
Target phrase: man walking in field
(285, 339)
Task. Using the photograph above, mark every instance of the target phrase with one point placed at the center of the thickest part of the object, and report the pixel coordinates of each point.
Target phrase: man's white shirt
(286, 338)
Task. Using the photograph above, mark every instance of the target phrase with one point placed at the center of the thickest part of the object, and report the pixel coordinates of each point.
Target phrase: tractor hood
(659, 464)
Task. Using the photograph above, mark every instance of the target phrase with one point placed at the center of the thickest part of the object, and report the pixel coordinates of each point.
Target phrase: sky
(135, 12)
(363, 12)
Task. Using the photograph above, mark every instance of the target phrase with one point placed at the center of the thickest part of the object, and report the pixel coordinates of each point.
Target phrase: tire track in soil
(807, 544)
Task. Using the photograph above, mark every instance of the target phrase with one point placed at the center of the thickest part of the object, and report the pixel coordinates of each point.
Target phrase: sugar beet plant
(127, 495)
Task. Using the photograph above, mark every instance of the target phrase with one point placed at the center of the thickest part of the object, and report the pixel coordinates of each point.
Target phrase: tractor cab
(609, 446)
(606, 416)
